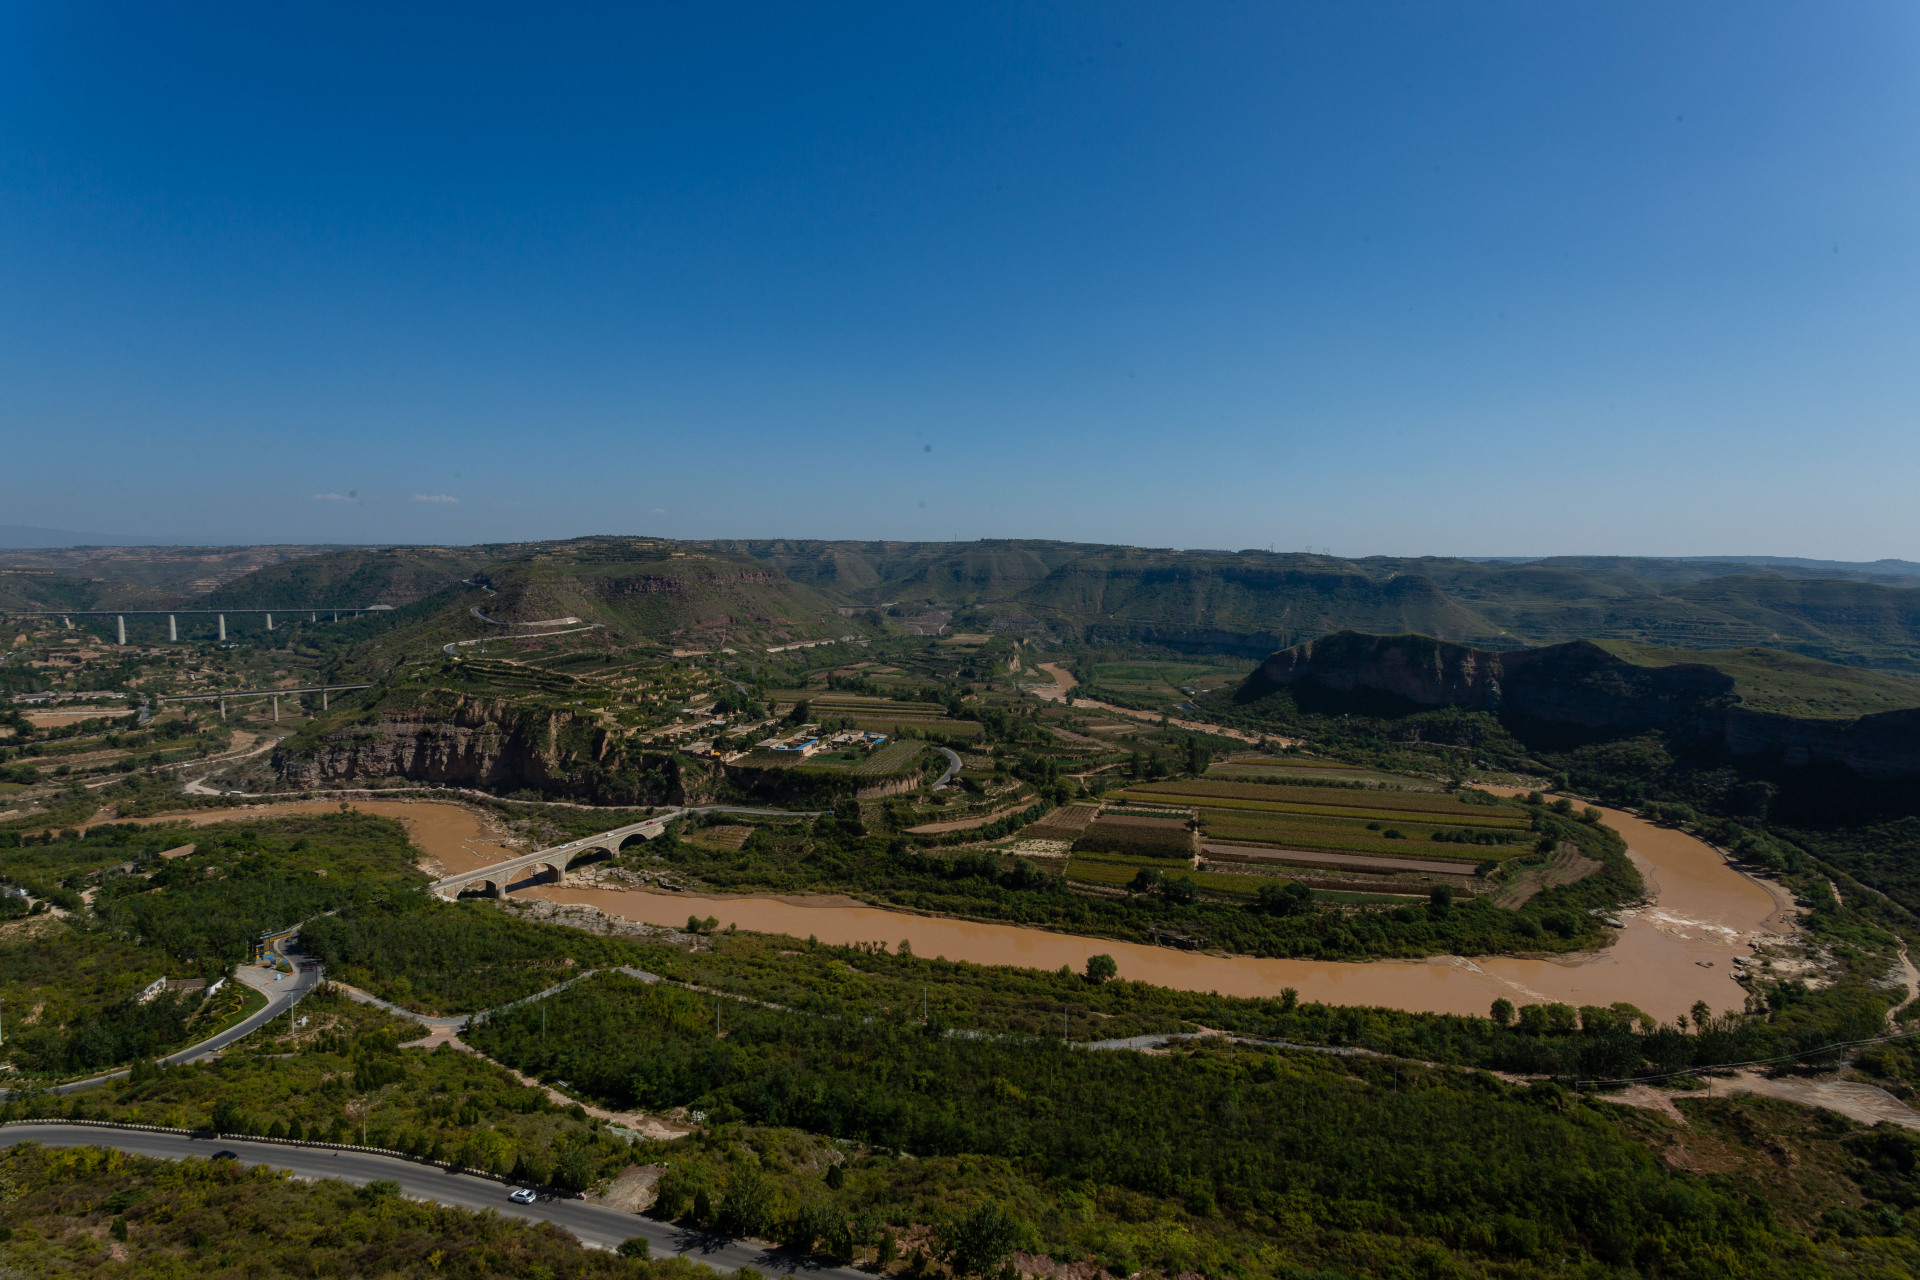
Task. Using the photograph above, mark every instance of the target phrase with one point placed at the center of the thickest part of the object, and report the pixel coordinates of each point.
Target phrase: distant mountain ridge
(1868, 568)
(1246, 602)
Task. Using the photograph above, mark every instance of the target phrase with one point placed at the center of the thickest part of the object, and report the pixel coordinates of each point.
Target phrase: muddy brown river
(1670, 955)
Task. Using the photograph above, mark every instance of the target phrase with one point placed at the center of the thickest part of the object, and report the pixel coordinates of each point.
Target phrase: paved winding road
(953, 766)
(592, 1224)
(305, 977)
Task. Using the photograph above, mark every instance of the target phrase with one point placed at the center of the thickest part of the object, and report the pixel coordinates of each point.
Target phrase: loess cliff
(492, 744)
(1582, 686)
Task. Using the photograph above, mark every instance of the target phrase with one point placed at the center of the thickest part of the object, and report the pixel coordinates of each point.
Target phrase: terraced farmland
(884, 715)
(893, 757)
(1391, 824)
(1119, 869)
(1267, 769)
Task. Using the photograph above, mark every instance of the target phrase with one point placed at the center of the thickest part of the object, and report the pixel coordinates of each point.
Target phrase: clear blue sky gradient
(1401, 278)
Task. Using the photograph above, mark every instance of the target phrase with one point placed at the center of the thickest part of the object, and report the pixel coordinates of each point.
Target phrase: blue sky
(1399, 278)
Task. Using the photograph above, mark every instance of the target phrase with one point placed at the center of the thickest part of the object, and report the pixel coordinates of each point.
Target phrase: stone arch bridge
(549, 865)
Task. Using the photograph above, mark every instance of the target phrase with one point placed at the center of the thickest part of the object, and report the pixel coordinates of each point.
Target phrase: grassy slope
(1787, 683)
(351, 577)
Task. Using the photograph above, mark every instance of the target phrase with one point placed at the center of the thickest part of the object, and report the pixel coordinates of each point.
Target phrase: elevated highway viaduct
(173, 616)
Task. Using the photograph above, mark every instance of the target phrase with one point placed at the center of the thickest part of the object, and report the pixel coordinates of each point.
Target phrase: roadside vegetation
(344, 1078)
(1247, 1159)
(446, 959)
(120, 916)
(74, 1211)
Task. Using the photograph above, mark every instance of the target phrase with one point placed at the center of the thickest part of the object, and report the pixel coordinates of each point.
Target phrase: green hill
(43, 589)
(651, 587)
(356, 576)
(634, 588)
(1787, 683)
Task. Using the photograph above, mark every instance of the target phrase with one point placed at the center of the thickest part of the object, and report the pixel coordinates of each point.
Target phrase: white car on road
(520, 1195)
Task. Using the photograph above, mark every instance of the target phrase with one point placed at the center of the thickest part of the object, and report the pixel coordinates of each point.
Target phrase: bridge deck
(561, 854)
(259, 693)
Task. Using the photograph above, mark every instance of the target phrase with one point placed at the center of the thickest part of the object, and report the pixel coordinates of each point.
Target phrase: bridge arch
(480, 887)
(598, 853)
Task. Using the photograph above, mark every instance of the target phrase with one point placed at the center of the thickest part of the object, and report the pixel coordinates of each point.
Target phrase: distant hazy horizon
(24, 538)
(1374, 278)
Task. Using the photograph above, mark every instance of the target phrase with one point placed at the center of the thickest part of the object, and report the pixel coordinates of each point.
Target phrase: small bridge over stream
(548, 866)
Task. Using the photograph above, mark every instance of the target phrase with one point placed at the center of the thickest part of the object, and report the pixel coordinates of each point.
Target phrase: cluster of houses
(808, 741)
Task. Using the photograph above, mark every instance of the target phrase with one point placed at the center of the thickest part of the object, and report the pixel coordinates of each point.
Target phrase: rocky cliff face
(493, 745)
(1417, 669)
(1581, 685)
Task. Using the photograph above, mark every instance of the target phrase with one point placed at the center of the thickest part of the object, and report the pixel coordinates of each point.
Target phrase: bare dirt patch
(729, 837)
(1867, 1103)
(58, 719)
(632, 1191)
(963, 824)
(30, 927)
(1567, 865)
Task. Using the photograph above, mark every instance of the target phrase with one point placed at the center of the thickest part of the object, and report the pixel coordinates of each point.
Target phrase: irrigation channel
(1675, 951)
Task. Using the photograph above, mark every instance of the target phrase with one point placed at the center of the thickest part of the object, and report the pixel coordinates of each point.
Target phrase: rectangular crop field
(1253, 808)
(1366, 842)
(1280, 774)
(1063, 824)
(1096, 869)
(1291, 762)
(896, 756)
(967, 729)
(1346, 820)
(1143, 836)
(1313, 825)
(1282, 798)
(1342, 797)
(853, 703)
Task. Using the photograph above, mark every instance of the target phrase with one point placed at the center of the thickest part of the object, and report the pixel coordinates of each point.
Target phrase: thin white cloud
(659, 511)
(332, 497)
(434, 497)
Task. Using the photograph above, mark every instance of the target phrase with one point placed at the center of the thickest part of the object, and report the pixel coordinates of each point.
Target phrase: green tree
(980, 1243)
(573, 1171)
(1101, 968)
(1502, 1012)
(1289, 899)
(745, 1209)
